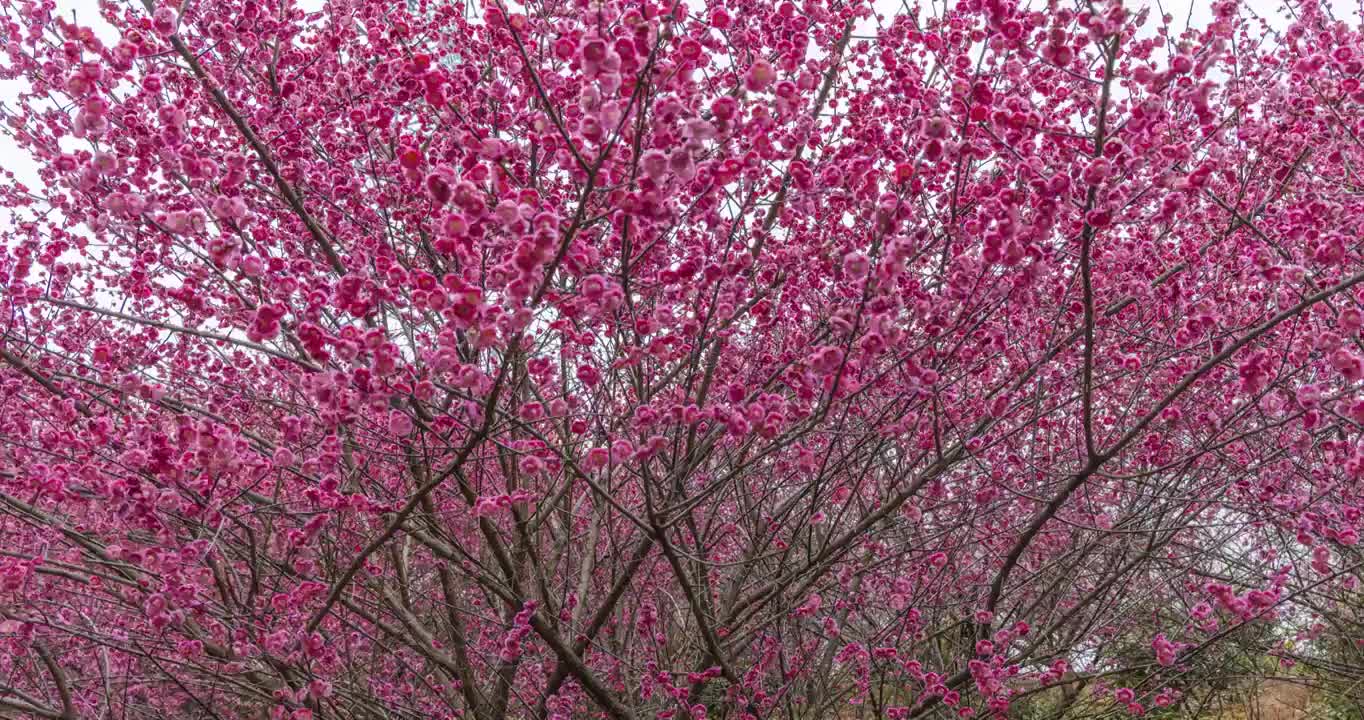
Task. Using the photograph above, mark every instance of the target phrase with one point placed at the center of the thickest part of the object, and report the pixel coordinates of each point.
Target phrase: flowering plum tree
(603, 358)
